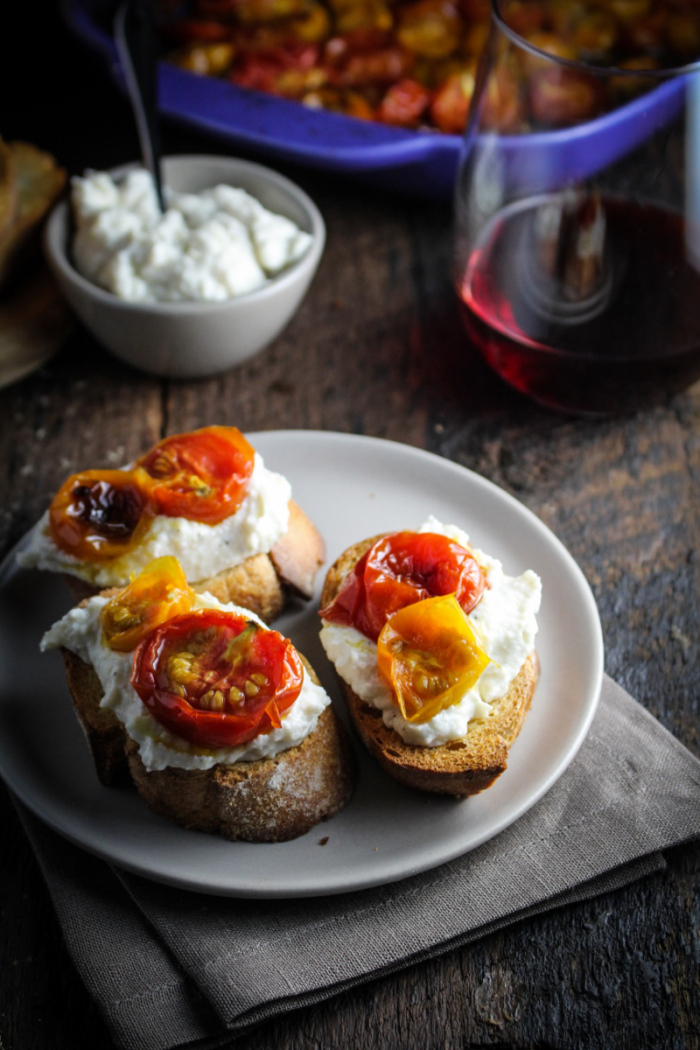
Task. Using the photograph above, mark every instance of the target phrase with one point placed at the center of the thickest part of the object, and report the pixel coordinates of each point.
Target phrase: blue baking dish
(421, 162)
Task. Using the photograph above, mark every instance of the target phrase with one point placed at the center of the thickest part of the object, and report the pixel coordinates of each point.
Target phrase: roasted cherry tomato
(383, 66)
(215, 678)
(362, 40)
(561, 96)
(628, 10)
(450, 105)
(404, 104)
(339, 100)
(362, 15)
(202, 475)
(400, 569)
(205, 59)
(550, 44)
(312, 25)
(502, 105)
(100, 514)
(429, 654)
(157, 594)
(524, 16)
(431, 28)
(289, 69)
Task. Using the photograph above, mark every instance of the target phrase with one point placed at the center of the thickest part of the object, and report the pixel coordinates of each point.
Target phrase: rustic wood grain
(378, 348)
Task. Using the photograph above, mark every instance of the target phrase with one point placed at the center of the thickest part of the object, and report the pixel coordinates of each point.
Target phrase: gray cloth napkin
(170, 968)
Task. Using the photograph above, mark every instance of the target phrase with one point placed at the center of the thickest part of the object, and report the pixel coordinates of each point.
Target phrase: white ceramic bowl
(187, 340)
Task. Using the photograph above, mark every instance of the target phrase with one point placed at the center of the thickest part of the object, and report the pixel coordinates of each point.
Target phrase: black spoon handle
(135, 37)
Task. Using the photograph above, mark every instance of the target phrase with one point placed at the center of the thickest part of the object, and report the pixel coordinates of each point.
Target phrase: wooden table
(377, 348)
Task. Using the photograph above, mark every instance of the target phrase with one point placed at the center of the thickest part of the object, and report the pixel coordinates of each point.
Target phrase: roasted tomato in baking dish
(429, 654)
(158, 593)
(100, 514)
(400, 569)
(202, 475)
(215, 678)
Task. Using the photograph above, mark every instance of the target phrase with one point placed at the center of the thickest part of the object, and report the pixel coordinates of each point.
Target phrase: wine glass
(577, 208)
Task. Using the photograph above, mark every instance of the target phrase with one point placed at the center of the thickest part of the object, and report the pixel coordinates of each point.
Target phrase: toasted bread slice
(260, 583)
(460, 767)
(104, 732)
(38, 182)
(270, 800)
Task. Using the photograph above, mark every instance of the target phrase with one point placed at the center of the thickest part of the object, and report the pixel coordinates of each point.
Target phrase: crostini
(204, 497)
(434, 646)
(221, 724)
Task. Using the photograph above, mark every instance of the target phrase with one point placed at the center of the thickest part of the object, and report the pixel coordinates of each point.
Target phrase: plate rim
(315, 886)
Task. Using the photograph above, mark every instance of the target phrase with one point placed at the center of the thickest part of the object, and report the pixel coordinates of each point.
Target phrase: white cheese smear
(80, 631)
(207, 247)
(202, 550)
(505, 623)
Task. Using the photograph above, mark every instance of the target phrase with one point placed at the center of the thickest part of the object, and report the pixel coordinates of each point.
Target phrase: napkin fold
(171, 968)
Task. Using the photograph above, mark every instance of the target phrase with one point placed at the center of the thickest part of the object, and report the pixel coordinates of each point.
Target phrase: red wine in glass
(586, 303)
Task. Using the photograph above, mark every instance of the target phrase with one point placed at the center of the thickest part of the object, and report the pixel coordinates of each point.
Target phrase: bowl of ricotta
(195, 290)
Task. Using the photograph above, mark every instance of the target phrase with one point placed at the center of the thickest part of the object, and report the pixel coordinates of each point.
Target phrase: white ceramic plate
(352, 487)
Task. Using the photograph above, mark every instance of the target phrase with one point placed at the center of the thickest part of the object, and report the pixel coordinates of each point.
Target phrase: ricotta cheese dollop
(505, 622)
(202, 550)
(80, 631)
(208, 246)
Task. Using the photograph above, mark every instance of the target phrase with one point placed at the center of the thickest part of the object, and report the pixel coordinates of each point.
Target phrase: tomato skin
(176, 696)
(450, 105)
(430, 655)
(157, 594)
(267, 68)
(400, 569)
(99, 514)
(562, 96)
(202, 475)
(404, 104)
(431, 28)
(339, 100)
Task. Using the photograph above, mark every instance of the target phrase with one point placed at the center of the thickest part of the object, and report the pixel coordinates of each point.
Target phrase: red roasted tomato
(100, 514)
(202, 475)
(404, 104)
(215, 678)
(400, 569)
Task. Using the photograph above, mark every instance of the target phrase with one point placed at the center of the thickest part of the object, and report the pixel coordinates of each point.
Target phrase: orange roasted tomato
(158, 593)
(450, 105)
(99, 514)
(202, 475)
(429, 654)
(400, 569)
(215, 678)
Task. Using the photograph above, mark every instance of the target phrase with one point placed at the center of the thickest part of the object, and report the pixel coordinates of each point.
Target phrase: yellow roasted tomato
(157, 594)
(429, 654)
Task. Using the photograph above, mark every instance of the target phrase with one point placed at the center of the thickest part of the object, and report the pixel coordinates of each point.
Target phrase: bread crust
(104, 732)
(263, 582)
(461, 767)
(30, 183)
(269, 800)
